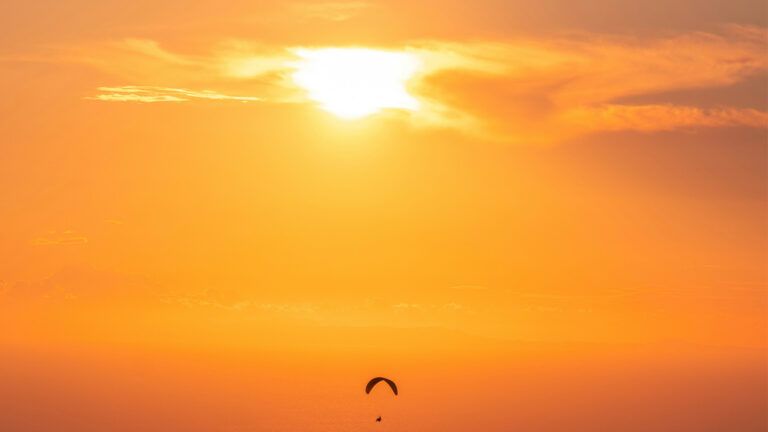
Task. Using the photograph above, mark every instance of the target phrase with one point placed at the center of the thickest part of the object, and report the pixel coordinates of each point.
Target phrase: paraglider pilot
(377, 380)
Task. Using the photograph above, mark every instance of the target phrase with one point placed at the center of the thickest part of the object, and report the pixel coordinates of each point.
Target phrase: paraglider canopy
(372, 383)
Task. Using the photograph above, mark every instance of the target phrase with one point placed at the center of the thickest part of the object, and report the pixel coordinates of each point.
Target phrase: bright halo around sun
(356, 82)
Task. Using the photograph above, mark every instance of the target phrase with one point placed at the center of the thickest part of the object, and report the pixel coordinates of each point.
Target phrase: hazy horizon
(539, 216)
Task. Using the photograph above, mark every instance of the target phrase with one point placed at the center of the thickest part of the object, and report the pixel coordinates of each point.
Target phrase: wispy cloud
(151, 94)
(529, 91)
(405, 307)
(652, 118)
(67, 237)
(545, 90)
(470, 288)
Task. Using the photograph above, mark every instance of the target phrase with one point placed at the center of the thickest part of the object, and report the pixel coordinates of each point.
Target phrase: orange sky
(569, 202)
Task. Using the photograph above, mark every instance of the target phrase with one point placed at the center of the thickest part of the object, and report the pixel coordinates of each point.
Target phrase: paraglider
(372, 383)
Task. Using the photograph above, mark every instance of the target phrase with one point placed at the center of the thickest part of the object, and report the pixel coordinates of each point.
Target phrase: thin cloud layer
(544, 91)
(653, 118)
(58, 238)
(534, 91)
(151, 94)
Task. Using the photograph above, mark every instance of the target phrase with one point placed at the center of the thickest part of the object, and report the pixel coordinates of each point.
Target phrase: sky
(534, 216)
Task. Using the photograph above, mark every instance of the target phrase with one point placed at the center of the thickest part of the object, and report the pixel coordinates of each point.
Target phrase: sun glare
(356, 82)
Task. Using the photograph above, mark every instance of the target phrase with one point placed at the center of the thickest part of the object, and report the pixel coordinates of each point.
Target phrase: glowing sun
(356, 82)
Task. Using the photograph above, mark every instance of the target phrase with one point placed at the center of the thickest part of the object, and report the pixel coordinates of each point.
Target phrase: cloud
(82, 283)
(404, 307)
(142, 61)
(151, 94)
(547, 90)
(235, 70)
(213, 299)
(55, 238)
(470, 288)
(652, 118)
(530, 91)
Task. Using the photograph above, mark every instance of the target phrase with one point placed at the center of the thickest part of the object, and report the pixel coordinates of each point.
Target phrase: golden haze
(535, 216)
